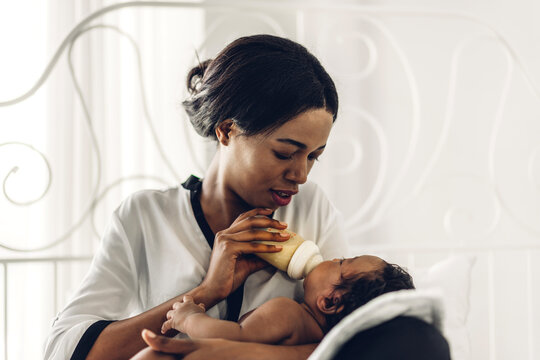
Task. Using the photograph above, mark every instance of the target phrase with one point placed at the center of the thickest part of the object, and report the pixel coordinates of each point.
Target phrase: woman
(270, 106)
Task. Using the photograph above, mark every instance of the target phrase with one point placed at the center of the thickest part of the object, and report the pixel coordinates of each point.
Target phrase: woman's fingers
(149, 354)
(253, 235)
(253, 212)
(261, 248)
(242, 248)
(256, 222)
(255, 218)
(188, 298)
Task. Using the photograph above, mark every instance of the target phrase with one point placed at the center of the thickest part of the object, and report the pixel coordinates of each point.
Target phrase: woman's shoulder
(153, 200)
(153, 194)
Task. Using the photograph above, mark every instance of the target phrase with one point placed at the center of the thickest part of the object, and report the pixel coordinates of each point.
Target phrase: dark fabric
(194, 185)
(234, 303)
(88, 339)
(402, 338)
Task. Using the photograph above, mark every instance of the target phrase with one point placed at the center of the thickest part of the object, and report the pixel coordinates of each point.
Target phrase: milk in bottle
(297, 258)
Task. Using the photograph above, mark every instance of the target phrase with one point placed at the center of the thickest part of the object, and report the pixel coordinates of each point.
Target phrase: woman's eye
(282, 156)
(313, 157)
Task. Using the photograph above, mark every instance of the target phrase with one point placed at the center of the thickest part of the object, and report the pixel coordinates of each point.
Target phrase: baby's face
(329, 273)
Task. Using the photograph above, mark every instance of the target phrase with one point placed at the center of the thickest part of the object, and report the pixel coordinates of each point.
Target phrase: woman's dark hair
(359, 291)
(260, 82)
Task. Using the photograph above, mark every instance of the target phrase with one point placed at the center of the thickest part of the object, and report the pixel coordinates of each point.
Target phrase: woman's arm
(84, 328)
(227, 270)
(219, 349)
(121, 339)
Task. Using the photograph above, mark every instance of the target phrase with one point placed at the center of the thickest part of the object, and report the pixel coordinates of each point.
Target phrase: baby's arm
(271, 323)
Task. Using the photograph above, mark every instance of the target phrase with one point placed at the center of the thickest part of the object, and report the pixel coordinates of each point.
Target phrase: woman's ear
(224, 130)
(330, 304)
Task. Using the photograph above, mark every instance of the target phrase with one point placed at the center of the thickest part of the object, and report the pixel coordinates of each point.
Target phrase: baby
(332, 290)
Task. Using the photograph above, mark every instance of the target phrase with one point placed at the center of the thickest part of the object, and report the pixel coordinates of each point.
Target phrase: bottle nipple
(305, 258)
(297, 257)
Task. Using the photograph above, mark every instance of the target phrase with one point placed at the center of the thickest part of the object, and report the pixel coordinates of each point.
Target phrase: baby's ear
(330, 304)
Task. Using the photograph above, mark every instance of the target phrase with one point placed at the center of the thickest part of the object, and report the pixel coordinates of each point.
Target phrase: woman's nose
(298, 172)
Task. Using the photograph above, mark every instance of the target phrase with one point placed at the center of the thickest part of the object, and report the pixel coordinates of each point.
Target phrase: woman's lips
(282, 197)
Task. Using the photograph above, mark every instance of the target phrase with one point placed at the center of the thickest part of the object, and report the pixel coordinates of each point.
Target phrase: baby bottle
(298, 256)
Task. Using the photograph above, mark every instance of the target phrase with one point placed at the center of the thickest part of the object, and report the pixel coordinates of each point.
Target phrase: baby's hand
(180, 312)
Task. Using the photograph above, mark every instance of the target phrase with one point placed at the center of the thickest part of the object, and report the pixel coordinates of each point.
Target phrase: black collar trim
(194, 185)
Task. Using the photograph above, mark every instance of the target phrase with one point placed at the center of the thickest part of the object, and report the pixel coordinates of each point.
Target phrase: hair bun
(195, 77)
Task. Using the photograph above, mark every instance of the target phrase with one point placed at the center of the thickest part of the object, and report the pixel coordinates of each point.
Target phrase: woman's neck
(219, 204)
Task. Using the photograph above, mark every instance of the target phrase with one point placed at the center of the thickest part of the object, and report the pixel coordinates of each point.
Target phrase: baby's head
(338, 287)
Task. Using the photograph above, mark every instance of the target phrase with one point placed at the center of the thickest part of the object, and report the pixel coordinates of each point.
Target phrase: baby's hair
(360, 290)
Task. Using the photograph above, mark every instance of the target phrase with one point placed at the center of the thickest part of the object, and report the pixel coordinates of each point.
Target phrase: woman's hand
(176, 318)
(231, 262)
(160, 348)
(149, 354)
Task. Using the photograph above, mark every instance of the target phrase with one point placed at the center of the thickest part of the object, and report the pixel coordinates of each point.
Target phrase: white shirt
(154, 250)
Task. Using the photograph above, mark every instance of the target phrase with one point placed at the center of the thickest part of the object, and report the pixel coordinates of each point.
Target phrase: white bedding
(426, 305)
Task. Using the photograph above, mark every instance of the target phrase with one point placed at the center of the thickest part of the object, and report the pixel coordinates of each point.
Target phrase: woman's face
(265, 170)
